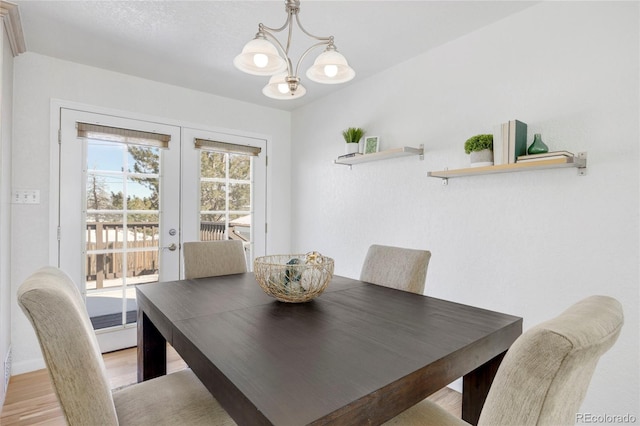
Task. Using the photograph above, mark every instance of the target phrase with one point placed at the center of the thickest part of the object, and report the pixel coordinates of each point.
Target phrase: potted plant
(352, 137)
(480, 147)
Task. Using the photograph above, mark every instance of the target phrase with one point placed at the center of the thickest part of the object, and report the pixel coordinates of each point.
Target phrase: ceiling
(192, 43)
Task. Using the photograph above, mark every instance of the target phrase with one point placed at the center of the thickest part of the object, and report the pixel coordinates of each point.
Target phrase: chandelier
(265, 55)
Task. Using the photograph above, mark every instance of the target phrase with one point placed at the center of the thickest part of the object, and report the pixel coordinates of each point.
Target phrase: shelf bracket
(582, 163)
(343, 164)
(421, 157)
(445, 181)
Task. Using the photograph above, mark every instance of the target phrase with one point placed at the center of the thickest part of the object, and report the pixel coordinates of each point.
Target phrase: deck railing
(105, 242)
(212, 231)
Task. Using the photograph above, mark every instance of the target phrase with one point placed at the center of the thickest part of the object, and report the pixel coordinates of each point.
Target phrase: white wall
(529, 243)
(38, 79)
(6, 98)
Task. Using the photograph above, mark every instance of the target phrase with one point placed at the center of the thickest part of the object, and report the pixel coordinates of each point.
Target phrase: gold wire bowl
(293, 278)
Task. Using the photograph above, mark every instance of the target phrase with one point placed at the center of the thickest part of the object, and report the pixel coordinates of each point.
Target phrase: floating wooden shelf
(579, 162)
(382, 155)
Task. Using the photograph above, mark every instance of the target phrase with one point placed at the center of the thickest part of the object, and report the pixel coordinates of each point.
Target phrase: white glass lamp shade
(330, 67)
(278, 88)
(260, 57)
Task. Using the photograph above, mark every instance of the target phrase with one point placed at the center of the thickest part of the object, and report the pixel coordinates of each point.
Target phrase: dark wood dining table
(357, 354)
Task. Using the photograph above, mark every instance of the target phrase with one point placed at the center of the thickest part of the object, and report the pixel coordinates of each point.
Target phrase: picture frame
(371, 144)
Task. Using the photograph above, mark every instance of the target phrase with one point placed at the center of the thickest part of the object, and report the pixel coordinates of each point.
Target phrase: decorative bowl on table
(293, 278)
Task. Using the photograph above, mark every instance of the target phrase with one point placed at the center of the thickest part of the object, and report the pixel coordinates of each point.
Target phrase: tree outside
(106, 192)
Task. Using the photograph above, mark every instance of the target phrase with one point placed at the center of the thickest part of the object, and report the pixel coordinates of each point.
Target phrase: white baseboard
(122, 338)
(456, 386)
(7, 370)
(107, 342)
(28, 366)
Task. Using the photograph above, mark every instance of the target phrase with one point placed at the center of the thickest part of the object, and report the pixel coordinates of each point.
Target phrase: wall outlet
(7, 370)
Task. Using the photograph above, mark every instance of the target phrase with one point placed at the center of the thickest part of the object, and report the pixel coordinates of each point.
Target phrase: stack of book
(509, 142)
(546, 156)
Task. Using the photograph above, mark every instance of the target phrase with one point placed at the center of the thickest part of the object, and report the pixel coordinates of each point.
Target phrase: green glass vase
(537, 147)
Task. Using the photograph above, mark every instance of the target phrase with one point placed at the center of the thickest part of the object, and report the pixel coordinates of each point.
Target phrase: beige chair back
(53, 304)
(401, 268)
(545, 374)
(213, 258)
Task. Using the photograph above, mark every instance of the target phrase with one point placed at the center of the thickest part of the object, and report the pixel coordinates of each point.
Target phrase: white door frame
(54, 163)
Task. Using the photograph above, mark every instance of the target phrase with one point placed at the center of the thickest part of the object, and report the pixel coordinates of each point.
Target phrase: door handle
(171, 247)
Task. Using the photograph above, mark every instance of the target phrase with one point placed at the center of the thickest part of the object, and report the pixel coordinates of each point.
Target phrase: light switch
(25, 196)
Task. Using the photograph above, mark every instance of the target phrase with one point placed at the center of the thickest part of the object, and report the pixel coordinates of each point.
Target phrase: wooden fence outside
(212, 231)
(142, 248)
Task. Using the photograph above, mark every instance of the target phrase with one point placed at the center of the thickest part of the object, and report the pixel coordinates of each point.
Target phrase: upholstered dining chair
(545, 374)
(213, 258)
(53, 304)
(396, 267)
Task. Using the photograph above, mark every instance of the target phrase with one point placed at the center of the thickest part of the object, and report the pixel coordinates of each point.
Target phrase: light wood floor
(30, 399)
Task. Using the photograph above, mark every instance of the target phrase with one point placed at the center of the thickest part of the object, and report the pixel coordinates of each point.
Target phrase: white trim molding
(11, 17)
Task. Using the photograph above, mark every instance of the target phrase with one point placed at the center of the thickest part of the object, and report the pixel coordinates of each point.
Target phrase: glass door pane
(122, 228)
(225, 198)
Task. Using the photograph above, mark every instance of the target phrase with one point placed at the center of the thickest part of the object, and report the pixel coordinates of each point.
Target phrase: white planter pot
(481, 158)
(352, 147)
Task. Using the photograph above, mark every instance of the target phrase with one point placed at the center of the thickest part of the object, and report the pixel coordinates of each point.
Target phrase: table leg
(152, 349)
(475, 387)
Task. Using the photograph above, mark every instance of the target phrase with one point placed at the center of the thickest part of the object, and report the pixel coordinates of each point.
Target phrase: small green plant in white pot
(352, 137)
(480, 148)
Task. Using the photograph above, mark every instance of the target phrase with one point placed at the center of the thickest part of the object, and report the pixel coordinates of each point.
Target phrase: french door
(132, 191)
(224, 189)
(119, 214)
